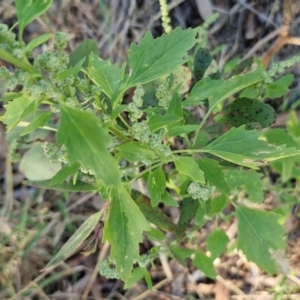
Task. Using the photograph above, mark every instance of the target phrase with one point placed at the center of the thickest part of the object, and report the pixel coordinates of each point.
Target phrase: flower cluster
(163, 92)
(279, 68)
(165, 16)
(200, 192)
(54, 153)
(156, 143)
(106, 269)
(141, 131)
(8, 42)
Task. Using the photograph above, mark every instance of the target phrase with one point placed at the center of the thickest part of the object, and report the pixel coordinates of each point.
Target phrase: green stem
(18, 63)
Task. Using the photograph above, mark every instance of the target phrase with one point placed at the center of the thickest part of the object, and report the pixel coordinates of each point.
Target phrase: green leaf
(243, 147)
(84, 50)
(188, 211)
(279, 137)
(153, 214)
(218, 90)
(201, 62)
(244, 111)
(135, 151)
(136, 275)
(39, 121)
(181, 254)
(75, 241)
(123, 230)
(258, 232)
(17, 110)
(167, 199)
(153, 58)
(201, 211)
(156, 122)
(38, 41)
(293, 125)
(70, 71)
(64, 173)
(217, 242)
(255, 191)
(217, 204)
(156, 185)
(280, 87)
(36, 166)
(214, 174)
(236, 178)
(104, 74)
(80, 186)
(188, 166)
(28, 11)
(185, 129)
(86, 143)
(204, 264)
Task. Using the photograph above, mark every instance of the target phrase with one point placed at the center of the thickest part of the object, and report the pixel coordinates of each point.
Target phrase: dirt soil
(243, 29)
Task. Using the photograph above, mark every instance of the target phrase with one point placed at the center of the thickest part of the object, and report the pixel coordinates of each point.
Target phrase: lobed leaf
(153, 58)
(123, 230)
(86, 142)
(243, 147)
(258, 233)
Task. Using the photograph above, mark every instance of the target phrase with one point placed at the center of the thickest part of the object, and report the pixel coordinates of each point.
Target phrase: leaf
(175, 107)
(75, 241)
(243, 147)
(153, 58)
(84, 50)
(217, 204)
(156, 122)
(17, 110)
(181, 76)
(123, 230)
(244, 111)
(236, 178)
(86, 143)
(258, 232)
(153, 214)
(80, 186)
(214, 174)
(201, 62)
(39, 121)
(36, 166)
(167, 199)
(104, 74)
(218, 90)
(37, 41)
(188, 166)
(255, 191)
(181, 254)
(28, 11)
(64, 173)
(279, 87)
(156, 184)
(70, 71)
(217, 242)
(201, 211)
(135, 151)
(204, 264)
(184, 129)
(136, 275)
(188, 211)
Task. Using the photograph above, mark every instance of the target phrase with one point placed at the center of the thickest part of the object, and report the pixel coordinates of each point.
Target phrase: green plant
(106, 140)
